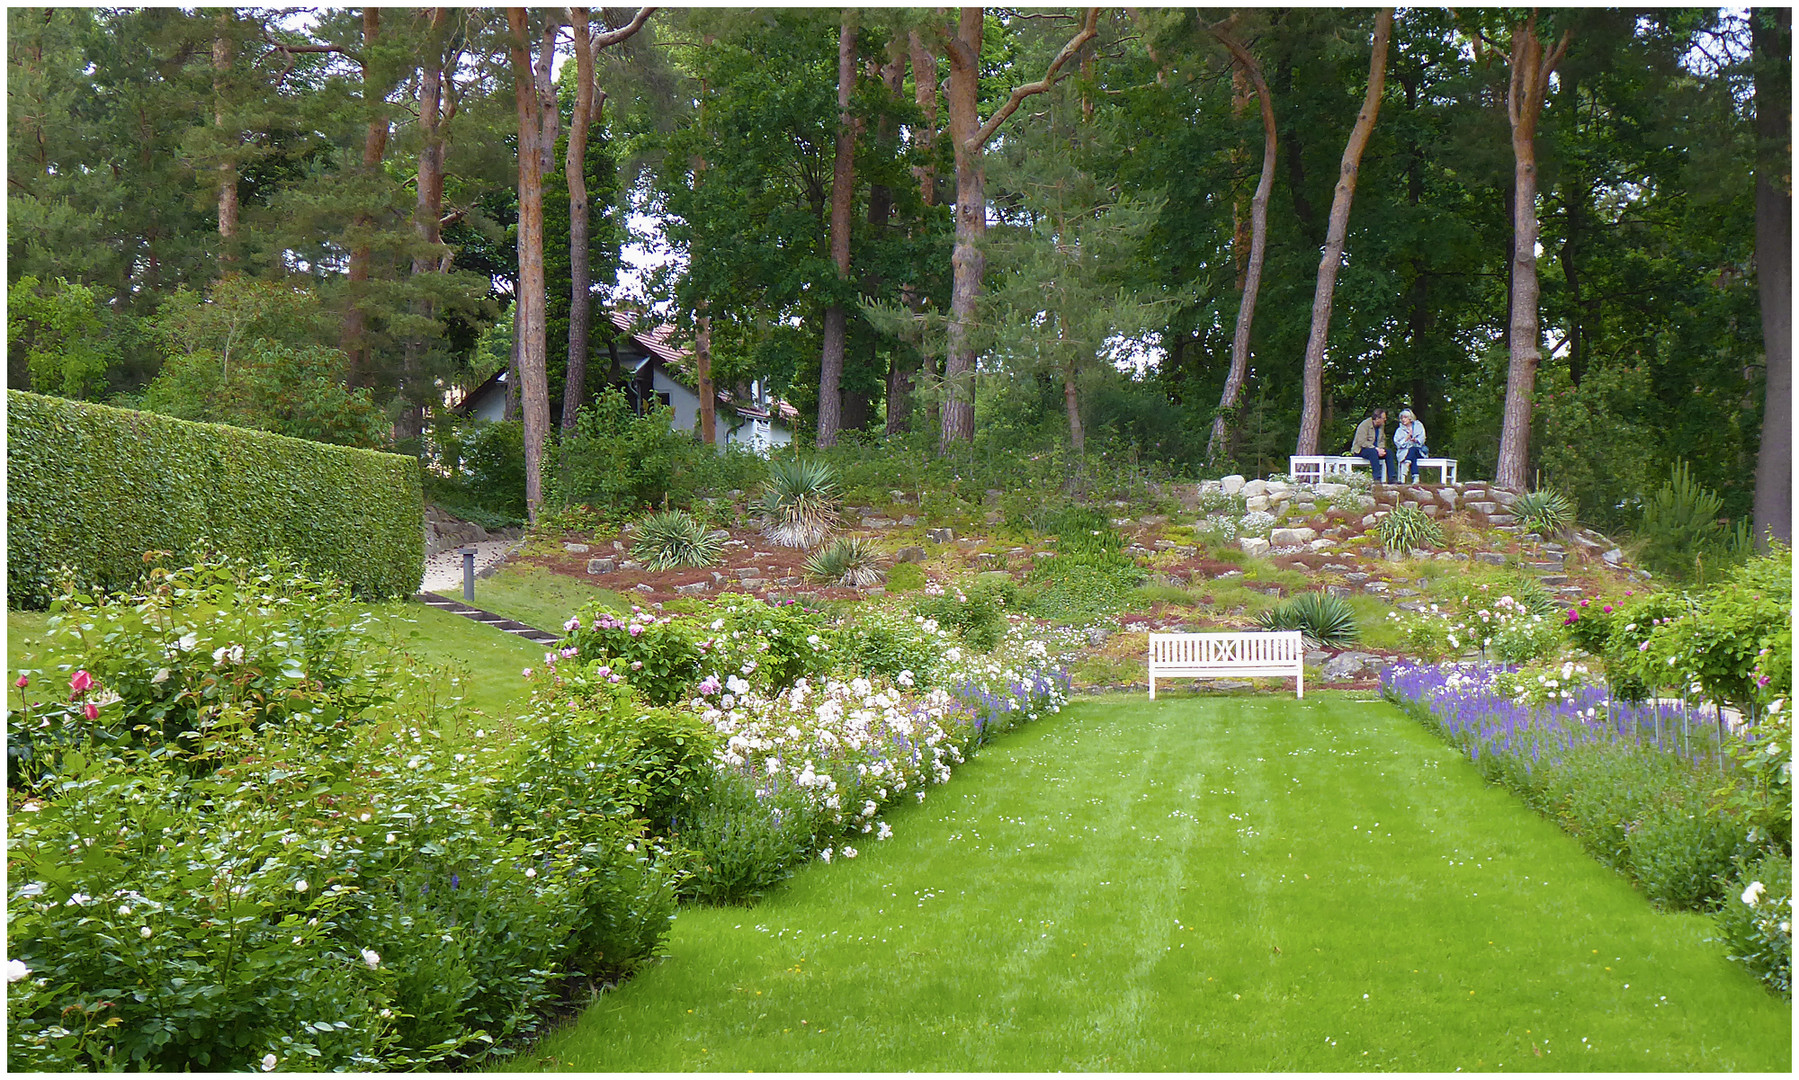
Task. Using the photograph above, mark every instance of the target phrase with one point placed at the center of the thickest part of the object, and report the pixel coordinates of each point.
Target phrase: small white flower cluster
(849, 747)
(1535, 687)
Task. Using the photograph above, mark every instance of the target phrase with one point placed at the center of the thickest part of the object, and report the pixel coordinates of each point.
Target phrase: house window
(666, 399)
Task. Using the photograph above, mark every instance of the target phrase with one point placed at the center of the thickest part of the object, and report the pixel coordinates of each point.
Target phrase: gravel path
(443, 571)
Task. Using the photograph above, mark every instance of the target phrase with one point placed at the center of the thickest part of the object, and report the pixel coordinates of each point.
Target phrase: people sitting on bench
(1408, 446)
(1370, 436)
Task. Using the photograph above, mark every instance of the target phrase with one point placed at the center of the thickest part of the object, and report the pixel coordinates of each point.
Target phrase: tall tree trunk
(1530, 69)
(901, 370)
(1217, 446)
(374, 148)
(530, 315)
(969, 261)
(1772, 37)
(590, 104)
(1077, 434)
(222, 52)
(1312, 392)
(574, 167)
(843, 193)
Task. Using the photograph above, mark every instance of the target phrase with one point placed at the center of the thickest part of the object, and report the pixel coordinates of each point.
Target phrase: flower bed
(1693, 812)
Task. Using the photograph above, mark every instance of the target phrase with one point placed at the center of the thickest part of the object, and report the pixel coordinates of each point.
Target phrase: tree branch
(613, 37)
(1089, 31)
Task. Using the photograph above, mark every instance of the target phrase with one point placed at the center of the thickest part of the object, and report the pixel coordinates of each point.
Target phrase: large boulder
(1290, 537)
(1253, 545)
(1253, 488)
(1232, 484)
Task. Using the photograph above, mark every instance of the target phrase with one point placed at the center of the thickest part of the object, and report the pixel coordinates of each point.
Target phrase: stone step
(488, 618)
(1547, 567)
(1553, 579)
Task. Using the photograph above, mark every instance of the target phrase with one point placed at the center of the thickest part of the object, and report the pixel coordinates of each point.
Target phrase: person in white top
(1408, 444)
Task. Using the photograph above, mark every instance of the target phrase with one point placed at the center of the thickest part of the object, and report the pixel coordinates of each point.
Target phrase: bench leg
(1300, 684)
(1152, 686)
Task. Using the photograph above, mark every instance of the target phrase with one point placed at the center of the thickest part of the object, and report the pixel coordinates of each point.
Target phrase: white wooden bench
(1314, 468)
(1217, 655)
(1444, 465)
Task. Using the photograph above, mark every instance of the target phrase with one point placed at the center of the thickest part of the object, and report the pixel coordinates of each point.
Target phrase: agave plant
(1407, 527)
(798, 505)
(1325, 620)
(674, 538)
(1546, 512)
(850, 560)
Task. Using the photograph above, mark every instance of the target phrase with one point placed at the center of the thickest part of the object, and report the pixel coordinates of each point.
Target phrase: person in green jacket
(1370, 436)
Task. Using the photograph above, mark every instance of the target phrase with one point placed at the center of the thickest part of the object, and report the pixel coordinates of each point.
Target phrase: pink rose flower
(81, 682)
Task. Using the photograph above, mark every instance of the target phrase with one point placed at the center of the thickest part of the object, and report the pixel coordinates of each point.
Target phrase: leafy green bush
(623, 464)
(1757, 922)
(977, 614)
(882, 641)
(475, 469)
(849, 560)
(799, 500)
(1682, 855)
(192, 652)
(1327, 621)
(1405, 528)
(94, 488)
(309, 895)
(740, 846)
(674, 538)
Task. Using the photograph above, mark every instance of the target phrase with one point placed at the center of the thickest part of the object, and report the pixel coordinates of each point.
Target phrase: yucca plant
(849, 560)
(1407, 527)
(798, 507)
(1546, 512)
(1326, 621)
(674, 538)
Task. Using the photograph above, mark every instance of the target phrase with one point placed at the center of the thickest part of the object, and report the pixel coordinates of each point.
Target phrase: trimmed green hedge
(95, 487)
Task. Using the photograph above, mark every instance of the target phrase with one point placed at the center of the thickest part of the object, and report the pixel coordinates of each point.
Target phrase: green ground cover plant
(1205, 884)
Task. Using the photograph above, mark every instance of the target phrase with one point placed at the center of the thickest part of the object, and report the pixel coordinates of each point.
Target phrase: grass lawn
(1199, 884)
(538, 597)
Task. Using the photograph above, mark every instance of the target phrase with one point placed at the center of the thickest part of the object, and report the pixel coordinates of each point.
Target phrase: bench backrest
(1248, 648)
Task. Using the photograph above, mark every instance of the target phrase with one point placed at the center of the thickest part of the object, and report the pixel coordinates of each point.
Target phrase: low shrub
(1405, 528)
(977, 614)
(883, 641)
(740, 843)
(905, 577)
(798, 506)
(674, 538)
(317, 895)
(189, 654)
(1327, 621)
(849, 560)
(1546, 512)
(1757, 920)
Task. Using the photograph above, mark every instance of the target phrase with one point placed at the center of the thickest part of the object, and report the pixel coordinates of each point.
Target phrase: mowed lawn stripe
(1196, 884)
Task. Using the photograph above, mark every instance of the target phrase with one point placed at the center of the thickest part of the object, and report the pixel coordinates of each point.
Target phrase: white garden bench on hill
(1218, 655)
(1316, 468)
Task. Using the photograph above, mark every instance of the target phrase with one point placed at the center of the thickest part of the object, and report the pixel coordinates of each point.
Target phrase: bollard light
(468, 574)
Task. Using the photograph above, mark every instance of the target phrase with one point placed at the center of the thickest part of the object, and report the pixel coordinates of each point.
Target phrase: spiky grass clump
(799, 503)
(674, 538)
(850, 560)
(1546, 513)
(1407, 527)
(1326, 621)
